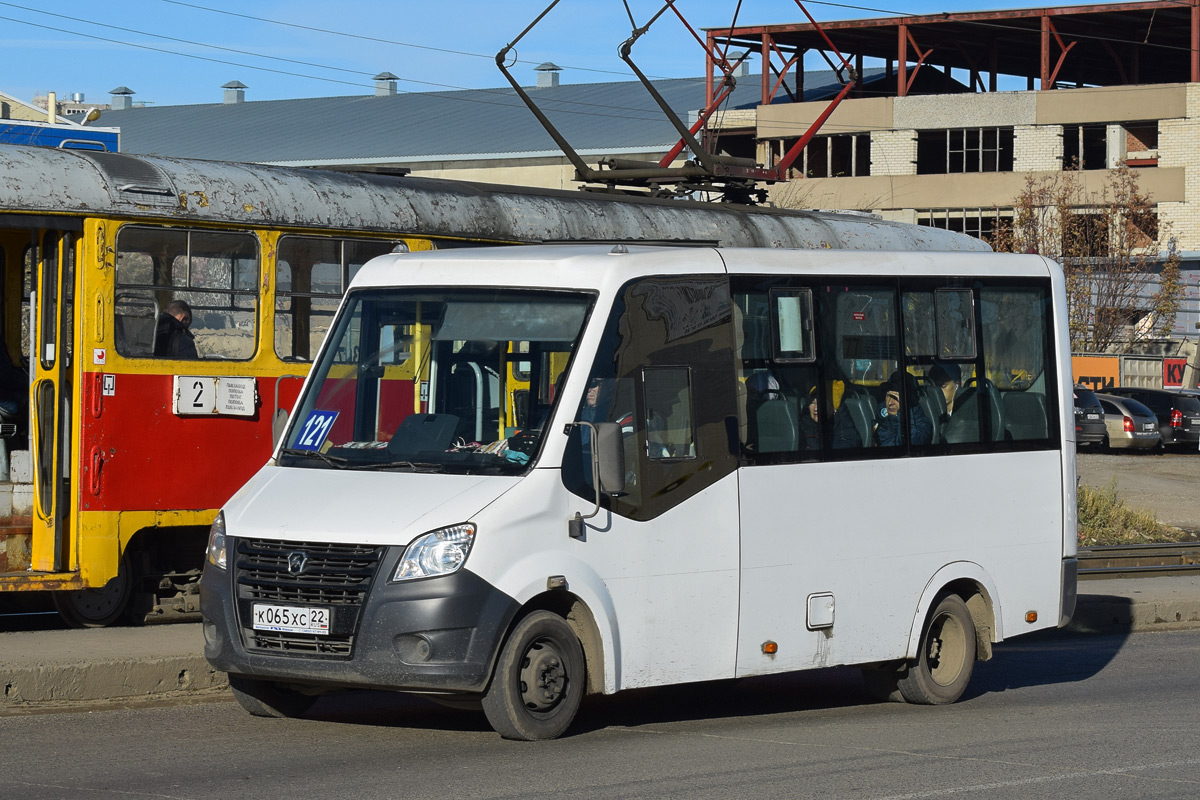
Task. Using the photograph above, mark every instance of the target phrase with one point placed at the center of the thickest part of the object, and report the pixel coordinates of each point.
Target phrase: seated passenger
(888, 431)
(173, 337)
(947, 378)
(810, 423)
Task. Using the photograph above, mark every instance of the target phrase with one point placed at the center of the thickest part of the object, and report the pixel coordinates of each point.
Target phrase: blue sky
(157, 47)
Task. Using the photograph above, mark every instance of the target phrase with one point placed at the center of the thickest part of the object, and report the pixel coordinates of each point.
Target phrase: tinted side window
(1187, 404)
(1158, 403)
(919, 366)
(664, 373)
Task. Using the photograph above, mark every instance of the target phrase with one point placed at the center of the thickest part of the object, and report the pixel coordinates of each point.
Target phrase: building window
(978, 222)
(956, 150)
(842, 156)
(1085, 147)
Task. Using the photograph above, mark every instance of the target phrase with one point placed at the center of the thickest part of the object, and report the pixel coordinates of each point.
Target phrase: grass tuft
(1104, 518)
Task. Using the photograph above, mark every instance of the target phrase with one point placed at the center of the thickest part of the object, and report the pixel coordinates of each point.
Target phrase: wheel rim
(946, 649)
(543, 676)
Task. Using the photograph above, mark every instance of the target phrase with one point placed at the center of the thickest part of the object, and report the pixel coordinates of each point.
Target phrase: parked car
(1178, 413)
(1089, 418)
(1130, 425)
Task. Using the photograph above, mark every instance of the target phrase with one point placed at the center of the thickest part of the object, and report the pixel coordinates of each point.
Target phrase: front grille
(334, 576)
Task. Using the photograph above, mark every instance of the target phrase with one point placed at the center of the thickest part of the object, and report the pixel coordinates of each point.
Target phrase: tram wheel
(943, 668)
(96, 608)
(538, 683)
(267, 699)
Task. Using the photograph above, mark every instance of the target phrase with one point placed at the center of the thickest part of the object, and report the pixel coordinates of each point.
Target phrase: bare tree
(1122, 270)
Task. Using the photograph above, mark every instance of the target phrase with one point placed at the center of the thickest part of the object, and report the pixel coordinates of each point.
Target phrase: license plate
(1148, 427)
(291, 619)
(1093, 416)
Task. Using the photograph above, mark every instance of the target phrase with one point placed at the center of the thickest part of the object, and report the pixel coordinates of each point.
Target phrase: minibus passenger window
(955, 321)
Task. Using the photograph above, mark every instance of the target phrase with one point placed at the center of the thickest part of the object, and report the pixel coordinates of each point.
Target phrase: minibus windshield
(437, 380)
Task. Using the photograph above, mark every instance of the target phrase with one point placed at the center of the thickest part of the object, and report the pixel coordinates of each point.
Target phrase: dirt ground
(1168, 485)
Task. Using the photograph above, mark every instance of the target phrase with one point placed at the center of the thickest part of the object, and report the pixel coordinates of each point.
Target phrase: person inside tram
(172, 334)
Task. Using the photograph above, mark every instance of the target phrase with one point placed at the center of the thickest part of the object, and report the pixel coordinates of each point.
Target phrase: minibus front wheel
(539, 680)
(266, 699)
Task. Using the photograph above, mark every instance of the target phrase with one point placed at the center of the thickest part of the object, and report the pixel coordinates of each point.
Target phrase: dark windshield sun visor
(509, 321)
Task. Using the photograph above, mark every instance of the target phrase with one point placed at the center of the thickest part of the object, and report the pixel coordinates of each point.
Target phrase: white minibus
(516, 476)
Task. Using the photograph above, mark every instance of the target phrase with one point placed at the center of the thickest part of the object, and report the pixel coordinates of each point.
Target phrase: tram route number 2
(205, 395)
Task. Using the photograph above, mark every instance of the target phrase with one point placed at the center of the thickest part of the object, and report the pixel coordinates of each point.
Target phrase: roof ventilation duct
(547, 74)
(122, 98)
(235, 92)
(385, 84)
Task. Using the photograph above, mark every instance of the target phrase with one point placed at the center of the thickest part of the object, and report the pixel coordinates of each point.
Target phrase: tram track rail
(1139, 560)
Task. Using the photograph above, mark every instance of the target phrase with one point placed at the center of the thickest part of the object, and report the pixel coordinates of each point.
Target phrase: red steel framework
(1095, 44)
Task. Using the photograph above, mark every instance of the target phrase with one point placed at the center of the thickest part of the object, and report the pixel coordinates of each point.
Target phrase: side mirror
(608, 468)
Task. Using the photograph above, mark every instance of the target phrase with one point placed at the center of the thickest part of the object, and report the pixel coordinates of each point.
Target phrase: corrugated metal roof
(435, 126)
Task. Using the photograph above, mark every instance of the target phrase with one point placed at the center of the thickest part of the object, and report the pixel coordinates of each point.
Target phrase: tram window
(26, 290)
(215, 273)
(311, 275)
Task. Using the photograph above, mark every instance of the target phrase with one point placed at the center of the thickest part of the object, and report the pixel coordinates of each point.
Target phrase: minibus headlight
(439, 552)
(216, 541)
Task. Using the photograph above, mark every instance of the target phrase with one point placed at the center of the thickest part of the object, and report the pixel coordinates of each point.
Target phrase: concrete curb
(43, 669)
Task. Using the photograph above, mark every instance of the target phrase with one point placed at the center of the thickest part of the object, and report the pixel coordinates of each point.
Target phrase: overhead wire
(365, 38)
(555, 104)
(453, 88)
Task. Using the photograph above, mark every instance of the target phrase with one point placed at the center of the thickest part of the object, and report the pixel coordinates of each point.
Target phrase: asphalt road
(1168, 485)
(1076, 717)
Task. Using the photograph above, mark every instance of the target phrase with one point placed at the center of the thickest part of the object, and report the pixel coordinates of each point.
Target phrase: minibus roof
(594, 266)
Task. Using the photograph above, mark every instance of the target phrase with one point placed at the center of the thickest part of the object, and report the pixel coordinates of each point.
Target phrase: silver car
(1128, 423)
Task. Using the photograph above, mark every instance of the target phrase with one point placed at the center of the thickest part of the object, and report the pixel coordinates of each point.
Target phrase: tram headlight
(216, 542)
(439, 552)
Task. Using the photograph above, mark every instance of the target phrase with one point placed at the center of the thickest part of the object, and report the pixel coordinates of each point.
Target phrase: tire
(943, 668)
(538, 682)
(267, 699)
(96, 608)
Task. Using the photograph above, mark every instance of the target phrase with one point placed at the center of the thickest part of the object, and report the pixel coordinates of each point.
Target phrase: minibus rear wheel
(947, 657)
(267, 699)
(539, 680)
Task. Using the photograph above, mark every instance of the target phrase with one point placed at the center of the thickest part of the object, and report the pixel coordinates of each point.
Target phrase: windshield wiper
(415, 466)
(333, 461)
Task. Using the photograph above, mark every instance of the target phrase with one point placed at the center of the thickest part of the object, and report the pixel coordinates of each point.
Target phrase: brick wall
(894, 152)
(1179, 146)
(1037, 148)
